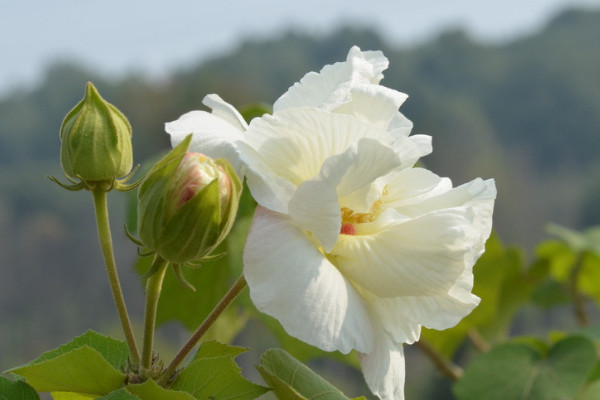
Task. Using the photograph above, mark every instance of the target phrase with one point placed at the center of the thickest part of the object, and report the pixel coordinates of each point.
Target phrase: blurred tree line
(526, 113)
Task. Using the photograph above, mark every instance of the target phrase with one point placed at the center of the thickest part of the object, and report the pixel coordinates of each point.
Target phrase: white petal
(292, 146)
(224, 110)
(212, 136)
(291, 280)
(475, 198)
(400, 125)
(374, 104)
(408, 188)
(435, 312)
(402, 317)
(384, 369)
(411, 148)
(315, 206)
(332, 86)
(394, 257)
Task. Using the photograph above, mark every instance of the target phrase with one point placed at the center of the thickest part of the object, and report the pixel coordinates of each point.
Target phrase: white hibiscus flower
(352, 247)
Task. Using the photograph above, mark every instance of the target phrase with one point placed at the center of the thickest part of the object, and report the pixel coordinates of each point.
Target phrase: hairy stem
(104, 236)
(446, 367)
(227, 299)
(153, 290)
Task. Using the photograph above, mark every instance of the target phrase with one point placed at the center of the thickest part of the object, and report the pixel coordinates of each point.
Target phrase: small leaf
(16, 390)
(217, 378)
(83, 370)
(520, 371)
(214, 349)
(115, 352)
(150, 390)
(292, 380)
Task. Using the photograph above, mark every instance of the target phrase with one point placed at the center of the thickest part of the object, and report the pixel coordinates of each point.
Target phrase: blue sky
(153, 37)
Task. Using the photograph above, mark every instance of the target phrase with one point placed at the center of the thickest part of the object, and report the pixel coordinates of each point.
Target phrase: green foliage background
(526, 113)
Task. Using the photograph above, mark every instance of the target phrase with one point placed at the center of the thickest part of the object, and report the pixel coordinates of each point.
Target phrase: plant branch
(478, 341)
(227, 299)
(578, 298)
(153, 290)
(104, 236)
(446, 367)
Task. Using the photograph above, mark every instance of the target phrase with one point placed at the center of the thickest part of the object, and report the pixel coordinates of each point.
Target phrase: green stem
(153, 289)
(104, 236)
(576, 295)
(233, 292)
(446, 367)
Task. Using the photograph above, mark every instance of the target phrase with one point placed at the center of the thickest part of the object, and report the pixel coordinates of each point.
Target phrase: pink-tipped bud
(187, 205)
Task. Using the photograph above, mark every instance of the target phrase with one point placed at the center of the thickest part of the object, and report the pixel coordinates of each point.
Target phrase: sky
(151, 37)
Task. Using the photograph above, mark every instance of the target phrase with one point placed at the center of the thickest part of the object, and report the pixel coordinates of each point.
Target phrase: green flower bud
(95, 141)
(187, 205)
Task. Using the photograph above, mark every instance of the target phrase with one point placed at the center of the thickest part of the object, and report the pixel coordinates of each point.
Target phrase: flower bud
(187, 205)
(95, 141)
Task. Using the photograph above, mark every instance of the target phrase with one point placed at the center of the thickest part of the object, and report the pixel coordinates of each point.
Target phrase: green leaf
(292, 380)
(115, 352)
(150, 390)
(578, 242)
(214, 349)
(120, 394)
(83, 370)
(217, 378)
(550, 293)
(16, 390)
(72, 396)
(591, 391)
(520, 371)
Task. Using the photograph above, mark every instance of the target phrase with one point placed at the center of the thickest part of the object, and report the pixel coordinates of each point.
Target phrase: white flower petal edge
(384, 368)
(291, 280)
(330, 88)
(351, 87)
(214, 134)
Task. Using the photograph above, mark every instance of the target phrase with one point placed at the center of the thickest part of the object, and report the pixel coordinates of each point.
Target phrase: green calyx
(184, 216)
(96, 144)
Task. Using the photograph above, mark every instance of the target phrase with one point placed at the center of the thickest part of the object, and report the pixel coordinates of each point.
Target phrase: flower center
(350, 218)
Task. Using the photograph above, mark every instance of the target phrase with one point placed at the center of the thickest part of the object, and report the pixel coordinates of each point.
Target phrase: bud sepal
(187, 205)
(96, 150)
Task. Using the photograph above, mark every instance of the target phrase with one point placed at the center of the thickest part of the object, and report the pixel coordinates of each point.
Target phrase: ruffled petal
(224, 110)
(407, 188)
(292, 145)
(374, 104)
(475, 198)
(213, 134)
(315, 206)
(291, 280)
(331, 87)
(396, 256)
(384, 369)
(435, 312)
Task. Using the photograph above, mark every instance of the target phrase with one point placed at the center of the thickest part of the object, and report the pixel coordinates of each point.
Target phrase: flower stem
(153, 289)
(104, 236)
(576, 295)
(446, 367)
(227, 299)
(478, 341)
